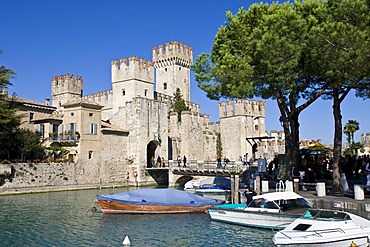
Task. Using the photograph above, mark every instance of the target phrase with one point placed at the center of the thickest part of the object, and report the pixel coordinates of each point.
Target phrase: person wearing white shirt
(367, 172)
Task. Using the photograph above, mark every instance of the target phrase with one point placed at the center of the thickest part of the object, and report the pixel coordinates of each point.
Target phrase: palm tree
(349, 129)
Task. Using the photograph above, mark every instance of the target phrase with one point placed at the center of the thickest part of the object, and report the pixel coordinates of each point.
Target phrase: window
(90, 155)
(165, 69)
(256, 127)
(31, 116)
(72, 128)
(93, 128)
(72, 114)
(146, 92)
(302, 227)
(123, 92)
(165, 86)
(40, 129)
(90, 114)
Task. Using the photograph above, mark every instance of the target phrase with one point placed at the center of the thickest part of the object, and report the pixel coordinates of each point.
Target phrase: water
(64, 219)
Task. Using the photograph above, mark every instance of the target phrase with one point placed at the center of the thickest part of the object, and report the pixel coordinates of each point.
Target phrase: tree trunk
(295, 158)
(337, 141)
(289, 120)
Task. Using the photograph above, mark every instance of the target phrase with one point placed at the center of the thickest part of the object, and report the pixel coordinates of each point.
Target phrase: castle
(116, 133)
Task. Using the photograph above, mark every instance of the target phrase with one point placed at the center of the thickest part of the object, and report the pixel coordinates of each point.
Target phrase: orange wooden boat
(154, 201)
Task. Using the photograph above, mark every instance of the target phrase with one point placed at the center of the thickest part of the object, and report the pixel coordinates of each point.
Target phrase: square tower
(65, 88)
(172, 62)
(131, 77)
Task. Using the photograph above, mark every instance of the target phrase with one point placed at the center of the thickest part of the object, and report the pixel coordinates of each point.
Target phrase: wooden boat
(270, 210)
(321, 227)
(154, 201)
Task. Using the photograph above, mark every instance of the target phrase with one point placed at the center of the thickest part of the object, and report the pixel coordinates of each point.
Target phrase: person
(219, 165)
(270, 167)
(179, 161)
(249, 193)
(152, 161)
(159, 161)
(226, 162)
(367, 173)
(163, 162)
(244, 160)
(184, 161)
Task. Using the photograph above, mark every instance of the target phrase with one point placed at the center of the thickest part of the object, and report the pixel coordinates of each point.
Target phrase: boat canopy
(167, 196)
(275, 196)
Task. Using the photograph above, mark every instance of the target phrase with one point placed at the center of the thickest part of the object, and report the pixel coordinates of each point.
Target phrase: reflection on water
(64, 219)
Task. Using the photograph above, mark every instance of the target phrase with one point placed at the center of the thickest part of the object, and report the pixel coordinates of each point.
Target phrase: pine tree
(178, 104)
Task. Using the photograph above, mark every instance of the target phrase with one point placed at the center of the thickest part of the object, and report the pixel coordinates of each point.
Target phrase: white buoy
(126, 241)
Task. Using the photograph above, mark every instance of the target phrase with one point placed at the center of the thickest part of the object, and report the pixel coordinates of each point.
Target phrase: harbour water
(64, 219)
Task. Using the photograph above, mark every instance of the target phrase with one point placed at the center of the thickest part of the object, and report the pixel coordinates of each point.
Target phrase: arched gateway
(150, 152)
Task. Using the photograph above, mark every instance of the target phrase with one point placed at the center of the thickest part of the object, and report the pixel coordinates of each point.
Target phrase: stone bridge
(173, 175)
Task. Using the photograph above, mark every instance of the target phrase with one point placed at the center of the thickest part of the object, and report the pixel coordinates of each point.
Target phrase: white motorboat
(271, 210)
(212, 187)
(321, 227)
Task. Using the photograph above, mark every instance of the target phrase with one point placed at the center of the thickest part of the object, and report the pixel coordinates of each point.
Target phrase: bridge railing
(206, 165)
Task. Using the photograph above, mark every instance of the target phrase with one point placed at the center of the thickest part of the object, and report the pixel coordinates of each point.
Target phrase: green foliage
(291, 52)
(15, 143)
(349, 129)
(9, 125)
(178, 104)
(57, 153)
(5, 76)
(28, 144)
(218, 145)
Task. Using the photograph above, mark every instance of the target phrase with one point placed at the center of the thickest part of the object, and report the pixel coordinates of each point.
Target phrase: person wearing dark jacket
(249, 193)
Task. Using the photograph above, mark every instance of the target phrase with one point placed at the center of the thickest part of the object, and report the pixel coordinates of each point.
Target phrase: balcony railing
(64, 138)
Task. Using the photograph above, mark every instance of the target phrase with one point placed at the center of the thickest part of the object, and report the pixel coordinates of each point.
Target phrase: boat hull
(252, 219)
(218, 194)
(359, 241)
(112, 207)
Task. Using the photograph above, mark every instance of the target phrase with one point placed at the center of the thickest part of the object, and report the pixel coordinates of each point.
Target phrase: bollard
(258, 185)
(236, 190)
(288, 186)
(320, 189)
(359, 192)
(296, 185)
(265, 186)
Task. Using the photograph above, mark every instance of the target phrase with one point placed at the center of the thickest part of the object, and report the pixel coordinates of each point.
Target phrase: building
(115, 134)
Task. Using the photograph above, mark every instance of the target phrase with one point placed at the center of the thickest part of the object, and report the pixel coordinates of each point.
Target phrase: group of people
(158, 163)
(219, 162)
(179, 161)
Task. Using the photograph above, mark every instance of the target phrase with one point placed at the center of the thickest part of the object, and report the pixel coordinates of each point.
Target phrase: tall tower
(132, 77)
(172, 62)
(65, 88)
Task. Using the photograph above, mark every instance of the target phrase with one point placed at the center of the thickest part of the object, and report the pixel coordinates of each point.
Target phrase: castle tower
(240, 119)
(172, 62)
(132, 77)
(65, 88)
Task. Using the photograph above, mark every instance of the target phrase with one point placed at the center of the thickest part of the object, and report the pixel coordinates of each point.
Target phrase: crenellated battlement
(172, 53)
(66, 83)
(132, 68)
(102, 97)
(242, 107)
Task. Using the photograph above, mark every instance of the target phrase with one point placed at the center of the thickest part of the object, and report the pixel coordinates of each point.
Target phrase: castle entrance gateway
(150, 152)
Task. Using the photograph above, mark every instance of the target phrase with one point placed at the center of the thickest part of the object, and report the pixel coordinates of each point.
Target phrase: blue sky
(45, 38)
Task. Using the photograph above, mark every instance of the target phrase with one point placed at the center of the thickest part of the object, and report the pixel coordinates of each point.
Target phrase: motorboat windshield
(319, 214)
(283, 205)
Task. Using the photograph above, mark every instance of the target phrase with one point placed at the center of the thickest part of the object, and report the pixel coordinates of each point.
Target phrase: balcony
(65, 139)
